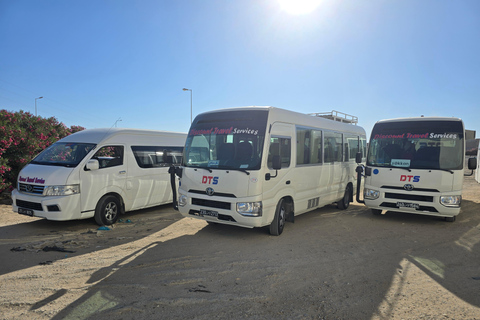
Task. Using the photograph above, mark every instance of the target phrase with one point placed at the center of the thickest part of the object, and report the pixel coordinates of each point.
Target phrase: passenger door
(110, 177)
(333, 165)
(148, 181)
(280, 145)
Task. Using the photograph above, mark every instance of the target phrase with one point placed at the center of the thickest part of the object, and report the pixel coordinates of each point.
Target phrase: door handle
(122, 172)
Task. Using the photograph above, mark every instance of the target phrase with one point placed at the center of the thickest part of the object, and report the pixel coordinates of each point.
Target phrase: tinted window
(66, 154)
(280, 147)
(227, 140)
(332, 147)
(157, 156)
(109, 156)
(417, 144)
(309, 146)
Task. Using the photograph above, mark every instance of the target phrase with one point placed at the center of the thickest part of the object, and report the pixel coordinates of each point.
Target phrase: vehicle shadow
(329, 264)
(42, 241)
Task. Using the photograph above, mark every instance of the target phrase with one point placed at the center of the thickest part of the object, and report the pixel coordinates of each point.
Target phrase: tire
(345, 202)
(377, 212)
(278, 223)
(107, 211)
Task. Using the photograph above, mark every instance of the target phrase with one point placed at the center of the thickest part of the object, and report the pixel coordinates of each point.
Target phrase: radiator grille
(412, 197)
(211, 203)
(30, 188)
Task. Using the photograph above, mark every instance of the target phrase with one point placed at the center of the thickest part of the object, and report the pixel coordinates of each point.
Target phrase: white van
(99, 173)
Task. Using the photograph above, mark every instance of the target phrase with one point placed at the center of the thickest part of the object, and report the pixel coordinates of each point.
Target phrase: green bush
(22, 137)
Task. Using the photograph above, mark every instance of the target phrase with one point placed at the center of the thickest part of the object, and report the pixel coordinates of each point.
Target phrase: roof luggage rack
(337, 116)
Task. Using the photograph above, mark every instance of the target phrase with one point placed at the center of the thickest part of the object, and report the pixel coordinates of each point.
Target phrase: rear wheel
(345, 202)
(107, 210)
(278, 223)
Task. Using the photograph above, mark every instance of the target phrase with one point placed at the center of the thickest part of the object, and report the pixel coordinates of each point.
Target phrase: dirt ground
(329, 264)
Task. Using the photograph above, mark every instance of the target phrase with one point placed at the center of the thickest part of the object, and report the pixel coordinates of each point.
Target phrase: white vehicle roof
(102, 134)
(420, 119)
(302, 119)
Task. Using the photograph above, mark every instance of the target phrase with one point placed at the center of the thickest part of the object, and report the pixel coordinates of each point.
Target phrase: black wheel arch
(290, 206)
(116, 195)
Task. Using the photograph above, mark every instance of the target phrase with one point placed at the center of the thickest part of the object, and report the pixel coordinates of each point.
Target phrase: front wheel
(278, 223)
(345, 202)
(107, 211)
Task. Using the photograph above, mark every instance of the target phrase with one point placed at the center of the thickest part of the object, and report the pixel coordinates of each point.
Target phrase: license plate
(27, 212)
(209, 213)
(408, 205)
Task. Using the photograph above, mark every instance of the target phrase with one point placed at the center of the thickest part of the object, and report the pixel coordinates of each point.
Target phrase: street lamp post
(36, 105)
(191, 102)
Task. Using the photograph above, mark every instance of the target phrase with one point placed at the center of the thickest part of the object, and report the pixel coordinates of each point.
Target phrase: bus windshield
(66, 154)
(424, 144)
(226, 140)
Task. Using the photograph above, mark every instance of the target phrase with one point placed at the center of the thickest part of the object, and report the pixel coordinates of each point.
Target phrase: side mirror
(358, 157)
(176, 170)
(472, 163)
(276, 163)
(92, 164)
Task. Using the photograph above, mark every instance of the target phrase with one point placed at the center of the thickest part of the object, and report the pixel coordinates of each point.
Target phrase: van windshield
(417, 145)
(226, 140)
(67, 154)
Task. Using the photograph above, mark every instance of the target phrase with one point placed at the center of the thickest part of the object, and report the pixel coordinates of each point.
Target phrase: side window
(309, 146)
(303, 146)
(157, 156)
(363, 145)
(352, 147)
(281, 147)
(316, 156)
(332, 147)
(109, 156)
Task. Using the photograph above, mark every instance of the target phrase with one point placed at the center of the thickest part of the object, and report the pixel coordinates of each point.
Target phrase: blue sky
(97, 63)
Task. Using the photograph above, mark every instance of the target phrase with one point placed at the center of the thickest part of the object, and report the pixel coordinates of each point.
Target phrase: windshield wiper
(240, 169)
(408, 169)
(233, 169)
(448, 170)
(197, 166)
(56, 164)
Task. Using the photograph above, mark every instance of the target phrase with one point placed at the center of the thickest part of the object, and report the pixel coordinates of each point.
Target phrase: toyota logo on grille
(210, 191)
(408, 187)
(29, 188)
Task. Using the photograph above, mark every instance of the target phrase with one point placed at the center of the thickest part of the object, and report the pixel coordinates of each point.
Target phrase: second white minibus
(261, 166)
(416, 165)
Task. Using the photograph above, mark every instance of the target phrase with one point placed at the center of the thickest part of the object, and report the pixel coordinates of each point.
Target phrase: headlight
(61, 190)
(182, 200)
(451, 201)
(251, 209)
(371, 194)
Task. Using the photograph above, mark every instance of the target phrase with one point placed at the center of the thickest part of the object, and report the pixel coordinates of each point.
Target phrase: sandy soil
(329, 264)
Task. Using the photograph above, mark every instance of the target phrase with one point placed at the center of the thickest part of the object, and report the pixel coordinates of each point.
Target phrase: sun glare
(299, 6)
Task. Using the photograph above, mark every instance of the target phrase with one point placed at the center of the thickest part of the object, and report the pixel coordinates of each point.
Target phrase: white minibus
(261, 166)
(99, 173)
(416, 165)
